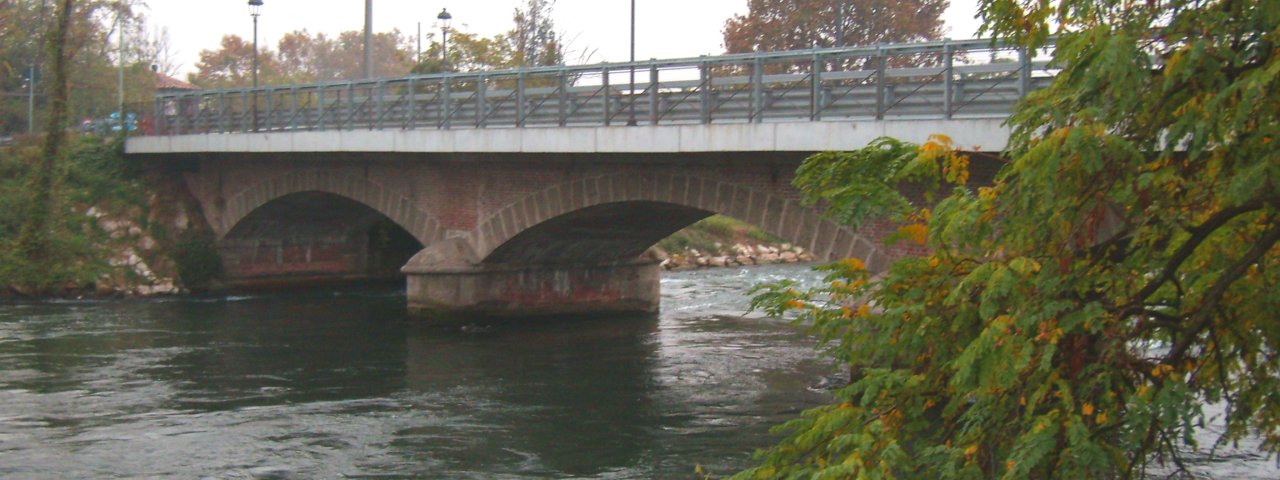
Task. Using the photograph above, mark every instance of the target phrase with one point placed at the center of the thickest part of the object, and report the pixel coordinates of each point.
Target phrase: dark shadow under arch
(608, 232)
(315, 236)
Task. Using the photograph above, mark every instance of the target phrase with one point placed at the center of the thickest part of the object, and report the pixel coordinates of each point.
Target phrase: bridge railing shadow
(933, 80)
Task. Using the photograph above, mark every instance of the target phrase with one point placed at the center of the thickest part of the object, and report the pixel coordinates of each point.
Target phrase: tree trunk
(34, 239)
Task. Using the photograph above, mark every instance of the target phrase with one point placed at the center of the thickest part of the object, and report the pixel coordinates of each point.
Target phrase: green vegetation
(716, 229)
(1076, 316)
(91, 171)
(196, 258)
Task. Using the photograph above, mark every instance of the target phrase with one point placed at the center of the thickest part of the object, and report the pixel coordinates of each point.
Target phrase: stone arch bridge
(547, 231)
(522, 192)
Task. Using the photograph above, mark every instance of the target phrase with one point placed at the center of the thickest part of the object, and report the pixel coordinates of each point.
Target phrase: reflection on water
(327, 385)
(342, 384)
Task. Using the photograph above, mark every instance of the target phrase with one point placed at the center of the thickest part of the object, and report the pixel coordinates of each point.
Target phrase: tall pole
(368, 38)
(120, 71)
(839, 24)
(419, 42)
(255, 51)
(255, 8)
(444, 18)
(632, 121)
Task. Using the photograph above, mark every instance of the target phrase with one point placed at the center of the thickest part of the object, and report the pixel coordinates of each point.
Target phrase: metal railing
(968, 79)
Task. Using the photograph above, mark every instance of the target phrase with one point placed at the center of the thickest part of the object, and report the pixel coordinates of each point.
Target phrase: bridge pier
(447, 289)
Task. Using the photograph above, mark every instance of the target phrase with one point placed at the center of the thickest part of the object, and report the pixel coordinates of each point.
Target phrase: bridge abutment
(494, 292)
(446, 283)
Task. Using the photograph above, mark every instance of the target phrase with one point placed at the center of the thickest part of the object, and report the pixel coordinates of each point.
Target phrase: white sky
(664, 28)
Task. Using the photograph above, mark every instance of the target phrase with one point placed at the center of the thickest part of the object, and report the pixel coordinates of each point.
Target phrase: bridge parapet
(960, 79)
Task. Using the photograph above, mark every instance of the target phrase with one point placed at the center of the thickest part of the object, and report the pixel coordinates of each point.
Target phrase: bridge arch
(655, 205)
(398, 208)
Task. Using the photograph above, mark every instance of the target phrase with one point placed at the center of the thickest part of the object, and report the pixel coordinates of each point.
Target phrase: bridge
(539, 190)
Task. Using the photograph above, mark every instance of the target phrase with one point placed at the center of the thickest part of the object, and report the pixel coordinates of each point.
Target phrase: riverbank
(719, 241)
(117, 229)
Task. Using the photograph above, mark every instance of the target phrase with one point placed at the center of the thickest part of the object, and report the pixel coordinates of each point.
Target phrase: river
(342, 385)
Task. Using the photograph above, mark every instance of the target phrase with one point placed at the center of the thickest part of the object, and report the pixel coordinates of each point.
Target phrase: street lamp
(444, 18)
(255, 9)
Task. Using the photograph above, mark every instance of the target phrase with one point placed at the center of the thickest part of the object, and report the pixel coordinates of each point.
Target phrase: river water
(342, 385)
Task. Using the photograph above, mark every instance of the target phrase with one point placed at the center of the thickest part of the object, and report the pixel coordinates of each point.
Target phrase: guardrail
(970, 78)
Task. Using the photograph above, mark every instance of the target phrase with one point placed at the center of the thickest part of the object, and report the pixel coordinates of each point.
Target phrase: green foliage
(75, 251)
(1075, 316)
(197, 260)
(706, 233)
(91, 172)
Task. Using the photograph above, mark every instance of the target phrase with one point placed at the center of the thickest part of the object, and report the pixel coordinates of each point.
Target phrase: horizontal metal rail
(939, 80)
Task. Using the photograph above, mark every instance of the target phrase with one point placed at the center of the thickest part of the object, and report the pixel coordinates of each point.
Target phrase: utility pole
(120, 70)
(839, 24)
(368, 36)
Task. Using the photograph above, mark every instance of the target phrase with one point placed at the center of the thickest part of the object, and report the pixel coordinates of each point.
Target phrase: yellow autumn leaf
(917, 232)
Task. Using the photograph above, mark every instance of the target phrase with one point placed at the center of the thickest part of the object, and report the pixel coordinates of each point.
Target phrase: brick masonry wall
(489, 198)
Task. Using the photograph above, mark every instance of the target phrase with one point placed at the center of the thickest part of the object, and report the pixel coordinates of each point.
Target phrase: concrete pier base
(448, 292)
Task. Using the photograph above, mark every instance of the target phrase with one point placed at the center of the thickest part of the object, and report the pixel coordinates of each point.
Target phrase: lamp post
(368, 38)
(120, 71)
(255, 9)
(444, 18)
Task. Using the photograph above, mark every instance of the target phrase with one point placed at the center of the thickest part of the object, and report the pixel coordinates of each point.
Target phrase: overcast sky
(664, 28)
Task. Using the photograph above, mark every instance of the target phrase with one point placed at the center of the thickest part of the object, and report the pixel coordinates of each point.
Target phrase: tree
(467, 52)
(533, 41)
(1074, 317)
(34, 238)
(775, 25)
(302, 58)
(91, 51)
(231, 65)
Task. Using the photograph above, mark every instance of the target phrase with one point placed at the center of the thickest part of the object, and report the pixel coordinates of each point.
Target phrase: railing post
(411, 119)
(653, 94)
(948, 83)
(222, 111)
(815, 92)
(1024, 72)
(880, 86)
(604, 89)
(323, 106)
(270, 106)
(563, 100)
(757, 91)
(520, 99)
(246, 120)
(382, 92)
(482, 103)
(704, 96)
(293, 107)
(350, 114)
(445, 110)
(158, 123)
